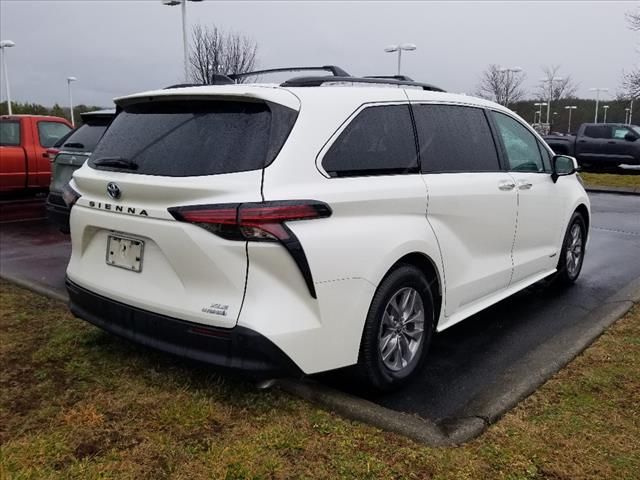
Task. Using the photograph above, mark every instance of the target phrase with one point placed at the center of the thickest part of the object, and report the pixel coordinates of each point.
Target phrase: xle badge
(216, 309)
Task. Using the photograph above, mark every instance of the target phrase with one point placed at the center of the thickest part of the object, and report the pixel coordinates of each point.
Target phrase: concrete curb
(614, 190)
(486, 409)
(36, 287)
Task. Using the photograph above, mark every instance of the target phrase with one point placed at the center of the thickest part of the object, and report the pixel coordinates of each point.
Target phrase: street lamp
(540, 105)
(605, 108)
(626, 116)
(570, 108)
(399, 48)
(6, 44)
(597, 90)
(69, 80)
(185, 44)
(507, 71)
(550, 81)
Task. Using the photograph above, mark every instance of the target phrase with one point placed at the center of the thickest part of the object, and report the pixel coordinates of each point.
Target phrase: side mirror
(563, 165)
(630, 137)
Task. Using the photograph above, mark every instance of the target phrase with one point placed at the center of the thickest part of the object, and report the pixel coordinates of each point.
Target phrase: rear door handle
(506, 185)
(524, 185)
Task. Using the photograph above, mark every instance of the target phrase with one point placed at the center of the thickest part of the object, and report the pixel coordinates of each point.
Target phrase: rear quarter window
(195, 138)
(378, 141)
(454, 138)
(9, 133)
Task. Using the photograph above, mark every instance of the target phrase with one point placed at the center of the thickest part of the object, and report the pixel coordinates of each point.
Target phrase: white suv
(321, 223)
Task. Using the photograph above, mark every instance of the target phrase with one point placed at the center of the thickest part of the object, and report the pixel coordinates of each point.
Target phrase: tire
(391, 354)
(570, 265)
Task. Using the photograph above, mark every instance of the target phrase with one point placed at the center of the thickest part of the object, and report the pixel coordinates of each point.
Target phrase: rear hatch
(163, 152)
(76, 148)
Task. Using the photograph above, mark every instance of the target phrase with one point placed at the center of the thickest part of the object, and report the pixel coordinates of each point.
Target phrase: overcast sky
(116, 47)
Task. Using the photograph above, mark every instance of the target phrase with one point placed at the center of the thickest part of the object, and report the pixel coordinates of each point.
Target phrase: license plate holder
(125, 252)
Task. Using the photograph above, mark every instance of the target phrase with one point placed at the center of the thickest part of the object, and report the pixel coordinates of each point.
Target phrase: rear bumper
(58, 212)
(238, 348)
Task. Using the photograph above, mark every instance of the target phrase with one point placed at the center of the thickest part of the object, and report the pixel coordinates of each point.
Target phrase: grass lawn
(610, 180)
(79, 403)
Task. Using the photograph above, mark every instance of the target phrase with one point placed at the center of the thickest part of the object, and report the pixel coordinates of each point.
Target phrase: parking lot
(476, 370)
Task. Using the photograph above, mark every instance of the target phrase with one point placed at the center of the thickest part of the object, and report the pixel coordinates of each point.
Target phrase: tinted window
(521, 147)
(454, 139)
(190, 138)
(85, 138)
(378, 141)
(9, 132)
(597, 131)
(51, 132)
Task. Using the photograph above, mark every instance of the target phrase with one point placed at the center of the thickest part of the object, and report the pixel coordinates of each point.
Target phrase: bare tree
(556, 86)
(633, 18)
(216, 52)
(502, 87)
(630, 87)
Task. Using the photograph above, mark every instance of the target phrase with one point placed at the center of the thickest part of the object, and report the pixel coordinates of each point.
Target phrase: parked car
(600, 144)
(71, 155)
(24, 140)
(316, 224)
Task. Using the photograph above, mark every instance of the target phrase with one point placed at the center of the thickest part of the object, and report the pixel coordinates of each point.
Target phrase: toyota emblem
(113, 190)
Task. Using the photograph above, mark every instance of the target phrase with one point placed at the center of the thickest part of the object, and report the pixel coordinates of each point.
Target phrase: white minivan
(321, 223)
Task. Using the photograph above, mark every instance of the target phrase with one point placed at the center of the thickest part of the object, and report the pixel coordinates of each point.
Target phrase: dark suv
(74, 151)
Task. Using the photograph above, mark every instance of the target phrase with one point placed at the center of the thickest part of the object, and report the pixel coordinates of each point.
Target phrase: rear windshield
(85, 138)
(194, 138)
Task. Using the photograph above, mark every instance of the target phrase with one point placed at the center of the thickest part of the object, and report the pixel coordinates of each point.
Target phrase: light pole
(506, 72)
(539, 105)
(185, 44)
(550, 82)
(626, 116)
(597, 90)
(399, 48)
(570, 108)
(605, 108)
(69, 80)
(6, 44)
(630, 111)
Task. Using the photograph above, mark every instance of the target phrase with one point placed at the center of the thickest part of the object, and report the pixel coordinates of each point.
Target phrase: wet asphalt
(471, 364)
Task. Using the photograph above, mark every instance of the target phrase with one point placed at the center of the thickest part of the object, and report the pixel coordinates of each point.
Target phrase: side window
(620, 132)
(546, 157)
(597, 131)
(50, 132)
(454, 139)
(378, 141)
(10, 133)
(521, 147)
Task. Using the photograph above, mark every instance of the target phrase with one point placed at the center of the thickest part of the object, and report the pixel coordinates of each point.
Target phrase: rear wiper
(74, 145)
(116, 162)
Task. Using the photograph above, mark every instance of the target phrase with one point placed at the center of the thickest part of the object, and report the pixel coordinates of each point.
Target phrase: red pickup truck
(24, 140)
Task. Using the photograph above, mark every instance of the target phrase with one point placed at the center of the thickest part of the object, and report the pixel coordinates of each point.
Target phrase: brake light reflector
(69, 195)
(51, 153)
(264, 221)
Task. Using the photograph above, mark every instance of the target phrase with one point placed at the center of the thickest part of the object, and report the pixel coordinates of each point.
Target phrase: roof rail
(336, 71)
(319, 81)
(392, 77)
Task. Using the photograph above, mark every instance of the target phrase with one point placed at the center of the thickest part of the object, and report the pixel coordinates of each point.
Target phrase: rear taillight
(265, 221)
(69, 195)
(51, 153)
